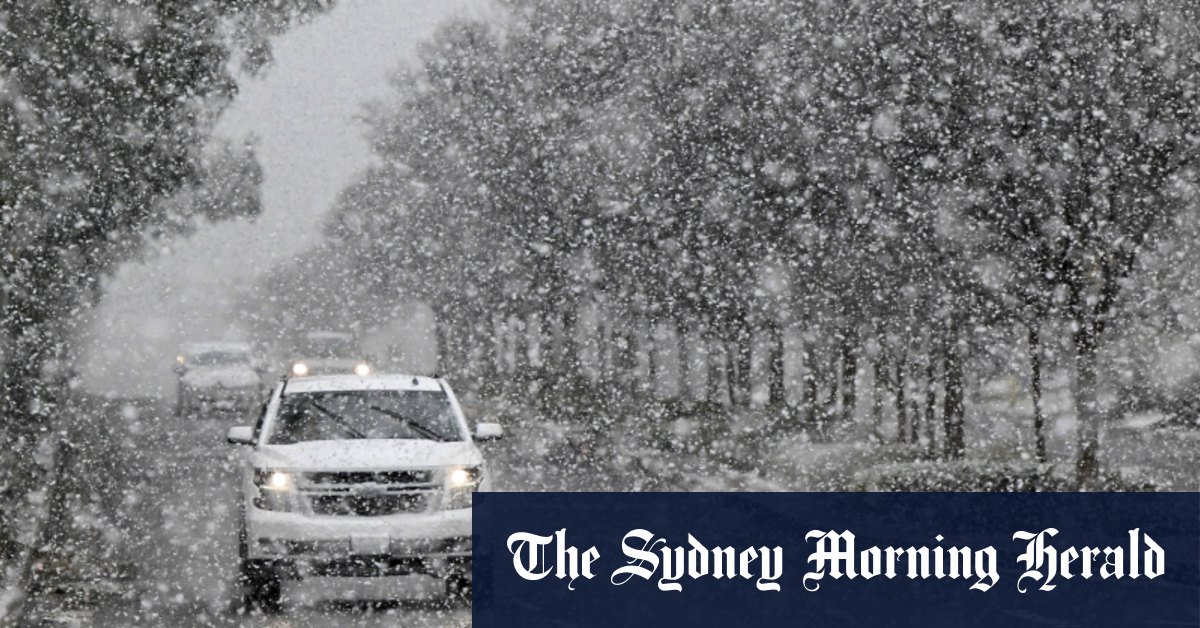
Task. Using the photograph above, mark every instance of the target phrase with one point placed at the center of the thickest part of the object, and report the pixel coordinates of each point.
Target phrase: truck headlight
(274, 490)
(461, 484)
(362, 369)
(299, 369)
(274, 480)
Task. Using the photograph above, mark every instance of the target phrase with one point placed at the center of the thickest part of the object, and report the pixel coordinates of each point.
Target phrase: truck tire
(458, 589)
(262, 586)
(243, 549)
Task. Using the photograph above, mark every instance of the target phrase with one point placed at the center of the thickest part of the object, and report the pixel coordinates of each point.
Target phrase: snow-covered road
(144, 530)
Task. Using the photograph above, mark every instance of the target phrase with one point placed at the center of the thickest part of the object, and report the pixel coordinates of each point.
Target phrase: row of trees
(903, 181)
(106, 109)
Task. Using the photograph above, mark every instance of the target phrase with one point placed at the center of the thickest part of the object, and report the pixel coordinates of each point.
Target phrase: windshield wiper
(416, 427)
(337, 419)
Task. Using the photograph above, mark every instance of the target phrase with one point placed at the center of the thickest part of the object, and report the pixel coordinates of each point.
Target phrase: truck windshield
(218, 358)
(341, 415)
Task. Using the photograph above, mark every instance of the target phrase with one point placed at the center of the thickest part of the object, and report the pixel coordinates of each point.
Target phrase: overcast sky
(303, 111)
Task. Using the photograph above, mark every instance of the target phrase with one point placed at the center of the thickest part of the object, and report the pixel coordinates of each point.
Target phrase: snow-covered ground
(999, 435)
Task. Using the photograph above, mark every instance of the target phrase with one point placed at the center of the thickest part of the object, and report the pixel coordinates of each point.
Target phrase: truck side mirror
(240, 435)
(488, 431)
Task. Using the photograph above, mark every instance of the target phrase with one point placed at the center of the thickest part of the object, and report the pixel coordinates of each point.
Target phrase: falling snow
(680, 245)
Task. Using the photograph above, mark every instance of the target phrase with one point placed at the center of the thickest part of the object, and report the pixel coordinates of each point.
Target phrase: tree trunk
(899, 384)
(849, 375)
(931, 402)
(732, 381)
(615, 354)
(443, 366)
(878, 376)
(914, 413)
(23, 391)
(952, 414)
(684, 357)
(1035, 391)
(570, 345)
(24, 398)
(604, 344)
(653, 361)
(1086, 410)
(809, 393)
(713, 391)
(628, 362)
(744, 341)
(830, 377)
(776, 387)
(915, 406)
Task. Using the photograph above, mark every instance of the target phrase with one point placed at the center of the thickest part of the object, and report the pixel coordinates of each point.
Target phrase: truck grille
(369, 493)
(342, 478)
(369, 506)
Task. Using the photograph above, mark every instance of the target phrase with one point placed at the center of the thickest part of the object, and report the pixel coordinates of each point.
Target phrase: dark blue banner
(834, 559)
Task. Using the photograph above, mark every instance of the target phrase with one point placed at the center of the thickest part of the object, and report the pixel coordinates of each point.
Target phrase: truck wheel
(243, 550)
(458, 589)
(262, 586)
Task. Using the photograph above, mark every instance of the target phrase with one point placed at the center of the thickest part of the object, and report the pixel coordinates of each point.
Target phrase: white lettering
(529, 557)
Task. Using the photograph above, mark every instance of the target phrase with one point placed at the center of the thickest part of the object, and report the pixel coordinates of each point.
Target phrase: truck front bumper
(436, 543)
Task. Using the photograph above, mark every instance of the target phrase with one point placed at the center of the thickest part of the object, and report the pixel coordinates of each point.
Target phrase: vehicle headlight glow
(280, 481)
(273, 480)
(459, 477)
(461, 484)
(300, 369)
(275, 490)
(362, 369)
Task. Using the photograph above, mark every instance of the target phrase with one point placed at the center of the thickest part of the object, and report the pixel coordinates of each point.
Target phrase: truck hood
(366, 455)
(230, 376)
(340, 363)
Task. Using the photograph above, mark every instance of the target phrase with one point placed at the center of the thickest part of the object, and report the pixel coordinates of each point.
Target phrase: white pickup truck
(216, 376)
(358, 477)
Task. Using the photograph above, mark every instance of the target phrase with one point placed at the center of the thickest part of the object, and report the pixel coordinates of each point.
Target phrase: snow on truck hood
(366, 455)
(231, 376)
